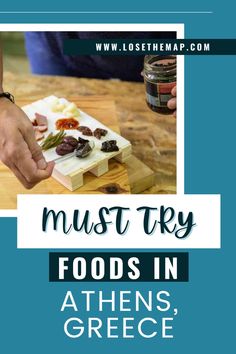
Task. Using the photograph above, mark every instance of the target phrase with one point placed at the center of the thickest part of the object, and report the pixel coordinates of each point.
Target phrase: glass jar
(160, 78)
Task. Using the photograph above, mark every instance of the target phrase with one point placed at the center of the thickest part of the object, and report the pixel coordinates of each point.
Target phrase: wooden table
(153, 136)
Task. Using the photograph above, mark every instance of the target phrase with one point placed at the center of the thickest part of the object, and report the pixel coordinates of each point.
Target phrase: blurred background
(14, 55)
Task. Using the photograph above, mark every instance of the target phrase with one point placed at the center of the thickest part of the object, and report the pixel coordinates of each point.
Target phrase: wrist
(5, 104)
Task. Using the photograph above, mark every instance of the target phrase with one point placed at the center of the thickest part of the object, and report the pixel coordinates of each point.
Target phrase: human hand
(171, 104)
(18, 147)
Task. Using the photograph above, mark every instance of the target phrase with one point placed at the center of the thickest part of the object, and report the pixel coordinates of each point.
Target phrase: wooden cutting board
(116, 180)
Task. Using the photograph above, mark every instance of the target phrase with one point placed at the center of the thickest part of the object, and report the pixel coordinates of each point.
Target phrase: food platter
(70, 170)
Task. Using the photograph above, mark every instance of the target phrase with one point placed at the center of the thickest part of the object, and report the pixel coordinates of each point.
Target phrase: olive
(99, 132)
(70, 140)
(109, 146)
(64, 149)
(85, 130)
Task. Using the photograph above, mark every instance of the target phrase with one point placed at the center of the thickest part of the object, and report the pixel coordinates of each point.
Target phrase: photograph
(85, 124)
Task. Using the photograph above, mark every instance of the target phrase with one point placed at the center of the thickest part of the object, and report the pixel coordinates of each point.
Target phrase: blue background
(30, 318)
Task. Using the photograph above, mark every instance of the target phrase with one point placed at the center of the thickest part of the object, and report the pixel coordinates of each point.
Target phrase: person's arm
(18, 147)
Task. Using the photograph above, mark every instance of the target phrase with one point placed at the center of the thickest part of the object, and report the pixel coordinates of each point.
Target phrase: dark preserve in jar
(160, 78)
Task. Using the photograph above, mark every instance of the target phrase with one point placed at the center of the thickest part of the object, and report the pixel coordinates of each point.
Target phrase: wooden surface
(114, 181)
(153, 136)
(141, 177)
